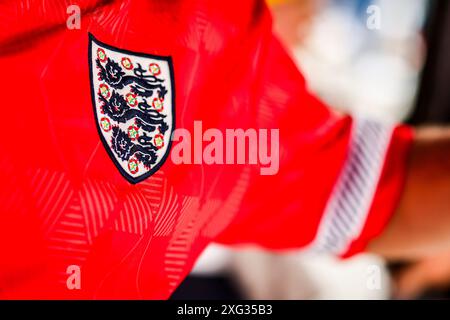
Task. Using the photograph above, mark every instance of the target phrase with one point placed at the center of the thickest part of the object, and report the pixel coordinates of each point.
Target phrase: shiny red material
(62, 200)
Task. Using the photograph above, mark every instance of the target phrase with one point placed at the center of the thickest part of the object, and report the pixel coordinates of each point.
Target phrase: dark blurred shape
(433, 104)
(206, 288)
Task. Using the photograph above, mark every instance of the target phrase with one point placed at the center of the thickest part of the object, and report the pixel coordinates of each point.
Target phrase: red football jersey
(89, 187)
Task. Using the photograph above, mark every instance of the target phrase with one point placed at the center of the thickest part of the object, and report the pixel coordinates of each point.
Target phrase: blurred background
(383, 59)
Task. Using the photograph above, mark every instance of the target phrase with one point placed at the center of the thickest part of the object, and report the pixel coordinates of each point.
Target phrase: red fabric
(62, 200)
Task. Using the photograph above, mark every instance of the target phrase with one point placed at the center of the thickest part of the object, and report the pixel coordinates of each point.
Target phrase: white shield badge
(133, 99)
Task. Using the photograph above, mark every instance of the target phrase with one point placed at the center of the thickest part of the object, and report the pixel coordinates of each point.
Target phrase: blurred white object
(401, 19)
(213, 260)
(263, 275)
(372, 73)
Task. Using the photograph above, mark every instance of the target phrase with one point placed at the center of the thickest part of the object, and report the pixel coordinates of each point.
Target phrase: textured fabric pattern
(64, 203)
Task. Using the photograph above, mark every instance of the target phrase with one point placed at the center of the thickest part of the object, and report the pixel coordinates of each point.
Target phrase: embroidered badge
(133, 99)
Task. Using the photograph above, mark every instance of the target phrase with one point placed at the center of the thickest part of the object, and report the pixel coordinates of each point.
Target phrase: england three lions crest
(133, 99)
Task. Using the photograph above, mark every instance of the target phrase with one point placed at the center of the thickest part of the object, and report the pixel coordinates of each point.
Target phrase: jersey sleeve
(339, 179)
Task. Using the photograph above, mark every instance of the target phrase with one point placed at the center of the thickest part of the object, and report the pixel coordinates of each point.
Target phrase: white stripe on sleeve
(349, 204)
